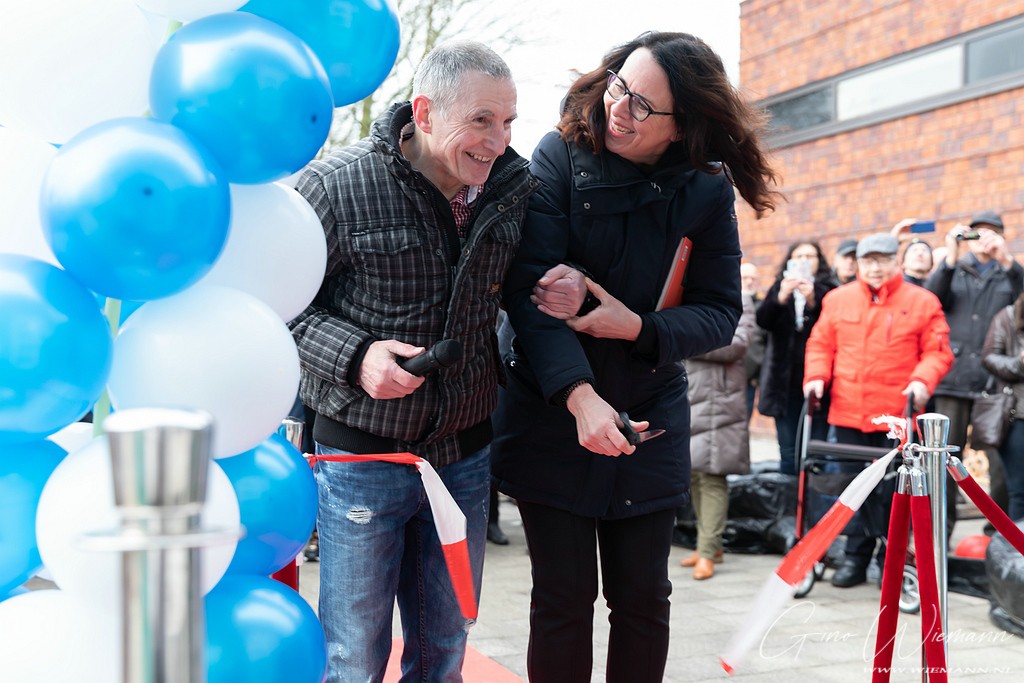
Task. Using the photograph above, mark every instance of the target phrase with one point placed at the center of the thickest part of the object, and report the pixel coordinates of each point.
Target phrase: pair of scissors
(634, 437)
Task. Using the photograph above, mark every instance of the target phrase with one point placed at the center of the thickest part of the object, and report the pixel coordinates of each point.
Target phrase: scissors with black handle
(634, 437)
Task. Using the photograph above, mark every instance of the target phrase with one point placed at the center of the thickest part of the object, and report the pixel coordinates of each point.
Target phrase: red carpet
(477, 669)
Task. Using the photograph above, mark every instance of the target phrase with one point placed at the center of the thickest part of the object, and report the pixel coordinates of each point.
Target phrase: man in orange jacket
(879, 342)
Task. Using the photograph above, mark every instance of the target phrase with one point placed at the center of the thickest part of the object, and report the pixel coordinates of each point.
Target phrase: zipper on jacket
(888, 330)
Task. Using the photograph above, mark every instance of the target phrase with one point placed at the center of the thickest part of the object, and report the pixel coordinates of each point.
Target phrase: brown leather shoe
(692, 559)
(704, 569)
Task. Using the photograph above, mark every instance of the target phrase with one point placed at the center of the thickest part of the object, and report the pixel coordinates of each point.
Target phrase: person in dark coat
(788, 312)
(977, 278)
(647, 151)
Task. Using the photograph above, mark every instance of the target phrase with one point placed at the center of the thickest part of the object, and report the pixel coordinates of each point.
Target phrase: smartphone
(798, 268)
(923, 226)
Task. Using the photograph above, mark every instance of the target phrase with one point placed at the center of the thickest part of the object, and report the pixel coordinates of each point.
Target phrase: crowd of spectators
(830, 330)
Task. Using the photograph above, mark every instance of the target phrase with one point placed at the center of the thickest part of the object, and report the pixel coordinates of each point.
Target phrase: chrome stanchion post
(292, 428)
(160, 459)
(934, 431)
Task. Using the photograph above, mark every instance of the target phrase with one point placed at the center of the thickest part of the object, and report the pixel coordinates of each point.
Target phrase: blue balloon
(251, 92)
(277, 499)
(55, 349)
(135, 209)
(357, 41)
(260, 631)
(24, 469)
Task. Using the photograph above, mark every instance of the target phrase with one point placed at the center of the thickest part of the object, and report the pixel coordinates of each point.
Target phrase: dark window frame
(967, 91)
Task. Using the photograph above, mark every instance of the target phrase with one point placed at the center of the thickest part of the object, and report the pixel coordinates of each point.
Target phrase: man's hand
(611, 320)
(597, 423)
(901, 231)
(993, 244)
(381, 377)
(816, 387)
(953, 245)
(919, 392)
(560, 292)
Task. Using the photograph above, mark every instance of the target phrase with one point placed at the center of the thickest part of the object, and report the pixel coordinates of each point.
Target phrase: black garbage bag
(760, 520)
(1005, 569)
(967, 576)
(764, 495)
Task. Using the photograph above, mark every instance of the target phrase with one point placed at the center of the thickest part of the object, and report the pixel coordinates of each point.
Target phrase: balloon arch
(150, 258)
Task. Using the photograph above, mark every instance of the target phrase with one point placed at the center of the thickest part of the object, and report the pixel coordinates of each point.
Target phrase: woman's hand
(597, 423)
(806, 287)
(787, 286)
(611, 320)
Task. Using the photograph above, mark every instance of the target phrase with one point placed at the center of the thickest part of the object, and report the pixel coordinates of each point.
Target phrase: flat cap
(987, 218)
(877, 243)
(847, 247)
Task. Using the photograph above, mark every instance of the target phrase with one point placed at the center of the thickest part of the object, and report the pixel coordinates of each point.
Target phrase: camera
(967, 235)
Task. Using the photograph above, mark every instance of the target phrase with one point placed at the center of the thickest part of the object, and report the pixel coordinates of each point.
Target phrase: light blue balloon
(134, 209)
(24, 469)
(277, 499)
(357, 41)
(55, 349)
(260, 631)
(250, 91)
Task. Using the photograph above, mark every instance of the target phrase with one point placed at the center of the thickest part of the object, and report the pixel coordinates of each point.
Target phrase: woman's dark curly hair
(824, 271)
(716, 124)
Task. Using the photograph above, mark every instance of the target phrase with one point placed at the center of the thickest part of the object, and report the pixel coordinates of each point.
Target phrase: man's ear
(422, 108)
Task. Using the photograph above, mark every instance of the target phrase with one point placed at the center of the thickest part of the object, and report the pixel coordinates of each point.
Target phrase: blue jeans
(1012, 453)
(378, 543)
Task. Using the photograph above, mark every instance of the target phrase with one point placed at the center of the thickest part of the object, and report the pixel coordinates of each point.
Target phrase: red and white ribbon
(778, 589)
(449, 521)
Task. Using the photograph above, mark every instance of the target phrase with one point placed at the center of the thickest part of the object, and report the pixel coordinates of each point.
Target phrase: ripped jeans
(378, 543)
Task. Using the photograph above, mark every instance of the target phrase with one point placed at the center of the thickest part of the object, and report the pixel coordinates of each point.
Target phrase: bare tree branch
(425, 23)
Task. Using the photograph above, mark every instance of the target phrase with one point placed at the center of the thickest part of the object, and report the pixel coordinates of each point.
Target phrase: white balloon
(50, 636)
(74, 436)
(188, 10)
(212, 348)
(276, 249)
(23, 162)
(79, 498)
(67, 64)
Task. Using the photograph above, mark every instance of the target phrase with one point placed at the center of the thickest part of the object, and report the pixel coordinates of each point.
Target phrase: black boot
(849, 574)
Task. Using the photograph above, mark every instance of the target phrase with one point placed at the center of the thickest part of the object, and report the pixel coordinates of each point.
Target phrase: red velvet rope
(892, 583)
(931, 616)
(994, 513)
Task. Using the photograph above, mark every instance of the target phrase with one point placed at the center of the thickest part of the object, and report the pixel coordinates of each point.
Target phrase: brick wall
(941, 165)
(788, 43)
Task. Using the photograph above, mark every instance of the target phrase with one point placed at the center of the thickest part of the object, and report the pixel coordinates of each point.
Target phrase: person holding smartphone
(789, 311)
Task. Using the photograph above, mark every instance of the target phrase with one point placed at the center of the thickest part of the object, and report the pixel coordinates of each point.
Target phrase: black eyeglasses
(639, 108)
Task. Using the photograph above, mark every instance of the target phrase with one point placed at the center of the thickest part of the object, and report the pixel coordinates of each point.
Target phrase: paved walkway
(826, 637)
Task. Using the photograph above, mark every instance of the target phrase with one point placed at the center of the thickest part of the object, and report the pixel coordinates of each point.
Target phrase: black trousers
(634, 567)
(860, 546)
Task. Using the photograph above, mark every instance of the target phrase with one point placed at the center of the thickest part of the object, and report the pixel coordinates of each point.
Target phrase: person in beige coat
(719, 439)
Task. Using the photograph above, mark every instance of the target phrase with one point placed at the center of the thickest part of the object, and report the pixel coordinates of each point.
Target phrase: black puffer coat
(782, 371)
(970, 301)
(623, 226)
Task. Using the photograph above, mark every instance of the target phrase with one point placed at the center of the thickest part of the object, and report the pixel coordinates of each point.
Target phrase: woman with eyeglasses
(647, 151)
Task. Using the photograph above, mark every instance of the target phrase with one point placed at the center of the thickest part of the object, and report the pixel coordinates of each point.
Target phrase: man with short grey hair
(422, 219)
